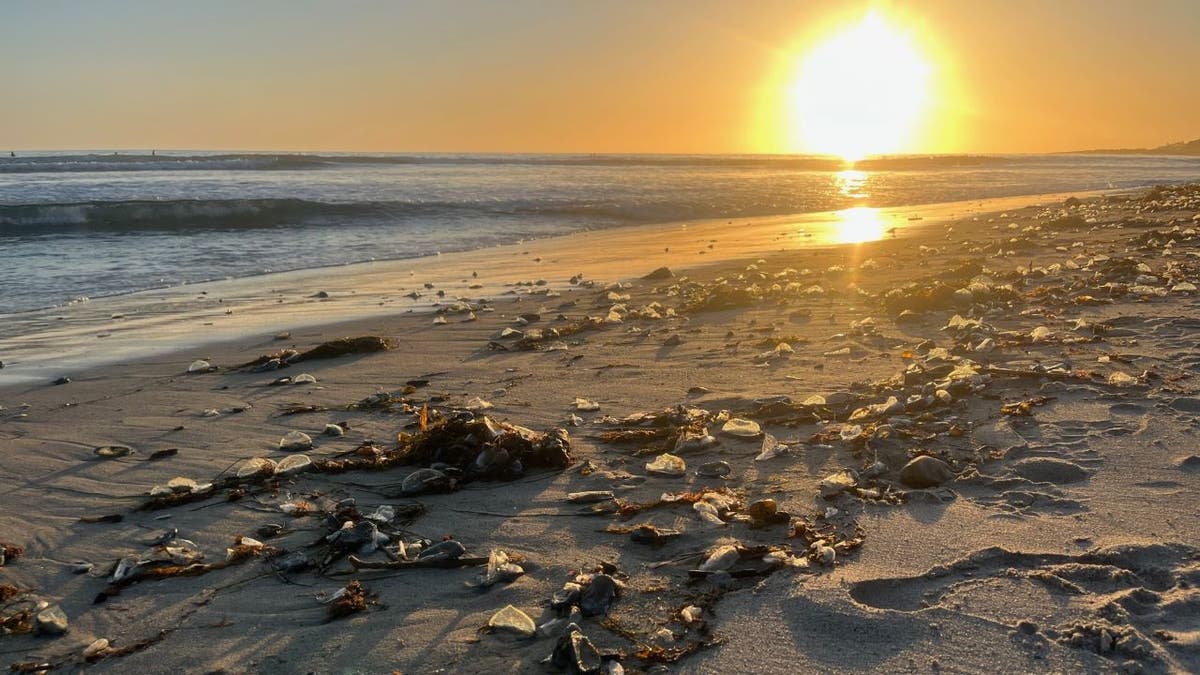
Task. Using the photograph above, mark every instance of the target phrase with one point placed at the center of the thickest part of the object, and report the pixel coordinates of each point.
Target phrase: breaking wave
(228, 214)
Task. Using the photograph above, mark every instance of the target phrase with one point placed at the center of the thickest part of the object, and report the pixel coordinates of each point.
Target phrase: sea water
(84, 225)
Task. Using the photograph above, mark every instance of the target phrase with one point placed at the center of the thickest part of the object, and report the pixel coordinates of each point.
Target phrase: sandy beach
(939, 438)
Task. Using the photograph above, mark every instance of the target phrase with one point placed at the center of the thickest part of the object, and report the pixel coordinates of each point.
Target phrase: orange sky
(525, 76)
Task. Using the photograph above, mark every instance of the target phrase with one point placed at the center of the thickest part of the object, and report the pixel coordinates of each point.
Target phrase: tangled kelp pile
(455, 447)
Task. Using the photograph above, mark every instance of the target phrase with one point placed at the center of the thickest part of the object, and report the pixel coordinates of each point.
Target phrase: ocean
(75, 226)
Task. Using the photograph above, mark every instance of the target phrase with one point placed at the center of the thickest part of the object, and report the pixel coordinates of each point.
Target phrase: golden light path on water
(857, 224)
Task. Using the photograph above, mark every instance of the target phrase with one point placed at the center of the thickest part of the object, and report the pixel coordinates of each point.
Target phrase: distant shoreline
(1181, 149)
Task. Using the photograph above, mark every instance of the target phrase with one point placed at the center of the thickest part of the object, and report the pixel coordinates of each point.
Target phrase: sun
(863, 91)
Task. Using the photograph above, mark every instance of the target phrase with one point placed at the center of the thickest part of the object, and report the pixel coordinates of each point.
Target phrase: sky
(673, 76)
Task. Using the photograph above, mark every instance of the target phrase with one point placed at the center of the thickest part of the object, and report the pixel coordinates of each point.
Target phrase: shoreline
(58, 341)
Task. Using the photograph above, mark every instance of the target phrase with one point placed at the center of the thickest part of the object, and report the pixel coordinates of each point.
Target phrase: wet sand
(1063, 536)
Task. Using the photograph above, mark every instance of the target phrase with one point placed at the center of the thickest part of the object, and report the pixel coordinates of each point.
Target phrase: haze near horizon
(689, 77)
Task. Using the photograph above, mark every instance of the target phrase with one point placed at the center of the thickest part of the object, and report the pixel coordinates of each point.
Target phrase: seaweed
(300, 409)
(350, 600)
(10, 551)
(364, 344)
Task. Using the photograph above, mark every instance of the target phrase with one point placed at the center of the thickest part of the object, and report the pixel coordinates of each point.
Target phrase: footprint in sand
(1049, 470)
(1123, 602)
(1030, 478)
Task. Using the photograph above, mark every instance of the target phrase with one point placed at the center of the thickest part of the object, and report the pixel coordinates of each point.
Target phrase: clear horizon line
(609, 153)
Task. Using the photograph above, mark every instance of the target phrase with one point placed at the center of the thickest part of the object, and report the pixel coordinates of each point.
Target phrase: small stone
(293, 464)
(283, 336)
(424, 480)
(575, 653)
(717, 469)
(112, 451)
(824, 554)
(599, 595)
(51, 621)
(590, 496)
(200, 366)
(721, 558)
(1119, 379)
(667, 464)
(584, 405)
(567, 596)
(180, 484)
(925, 472)
(659, 274)
(651, 535)
(334, 430)
(304, 378)
(295, 441)
(95, 649)
(741, 428)
(439, 320)
(513, 620)
(835, 484)
(63, 380)
(771, 448)
(707, 512)
(694, 441)
(477, 404)
(363, 536)
(765, 512)
(256, 467)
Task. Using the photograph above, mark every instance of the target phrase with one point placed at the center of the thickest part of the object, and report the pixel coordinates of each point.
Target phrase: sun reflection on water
(851, 183)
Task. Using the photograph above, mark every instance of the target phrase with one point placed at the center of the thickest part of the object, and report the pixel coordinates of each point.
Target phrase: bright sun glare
(863, 91)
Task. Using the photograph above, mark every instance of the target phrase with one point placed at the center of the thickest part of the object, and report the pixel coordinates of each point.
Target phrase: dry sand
(1066, 541)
